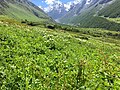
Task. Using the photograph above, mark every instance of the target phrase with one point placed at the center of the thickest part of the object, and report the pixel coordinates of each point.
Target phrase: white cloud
(77, 1)
(49, 2)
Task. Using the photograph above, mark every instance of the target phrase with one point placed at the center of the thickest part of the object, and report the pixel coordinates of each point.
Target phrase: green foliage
(23, 10)
(35, 58)
(111, 10)
(96, 22)
(117, 20)
(95, 16)
(96, 32)
(30, 23)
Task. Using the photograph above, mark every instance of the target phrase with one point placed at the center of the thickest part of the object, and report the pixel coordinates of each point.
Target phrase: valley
(94, 14)
(37, 53)
(42, 58)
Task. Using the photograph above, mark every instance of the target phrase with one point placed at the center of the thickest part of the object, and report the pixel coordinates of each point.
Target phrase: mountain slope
(57, 11)
(22, 9)
(112, 10)
(88, 14)
(35, 58)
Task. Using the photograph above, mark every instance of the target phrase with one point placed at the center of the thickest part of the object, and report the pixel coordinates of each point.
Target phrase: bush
(51, 26)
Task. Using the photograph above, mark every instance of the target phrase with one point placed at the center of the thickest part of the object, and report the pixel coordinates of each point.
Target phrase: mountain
(57, 11)
(94, 13)
(112, 10)
(22, 9)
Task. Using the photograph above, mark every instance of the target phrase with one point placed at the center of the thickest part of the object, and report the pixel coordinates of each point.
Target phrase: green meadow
(40, 58)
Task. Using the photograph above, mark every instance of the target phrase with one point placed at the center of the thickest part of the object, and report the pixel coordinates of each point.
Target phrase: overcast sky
(47, 4)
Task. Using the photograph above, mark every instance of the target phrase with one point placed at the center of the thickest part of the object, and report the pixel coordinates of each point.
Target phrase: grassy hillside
(95, 17)
(117, 20)
(23, 10)
(112, 10)
(35, 58)
(90, 21)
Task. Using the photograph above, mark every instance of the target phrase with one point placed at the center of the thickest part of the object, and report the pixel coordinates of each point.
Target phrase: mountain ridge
(92, 14)
(23, 9)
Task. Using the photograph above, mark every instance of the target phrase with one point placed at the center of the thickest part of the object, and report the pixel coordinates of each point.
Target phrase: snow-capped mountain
(59, 9)
(85, 6)
(93, 13)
